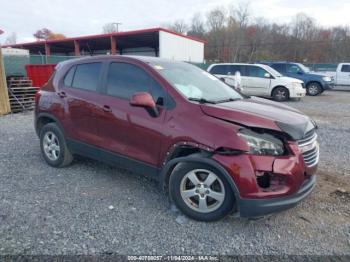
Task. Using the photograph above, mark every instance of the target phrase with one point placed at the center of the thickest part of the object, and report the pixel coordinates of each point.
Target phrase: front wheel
(313, 89)
(280, 94)
(201, 192)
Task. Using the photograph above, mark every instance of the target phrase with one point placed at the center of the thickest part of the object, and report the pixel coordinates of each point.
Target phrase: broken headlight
(262, 143)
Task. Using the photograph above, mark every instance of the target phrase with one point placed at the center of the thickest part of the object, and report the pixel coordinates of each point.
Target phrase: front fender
(169, 166)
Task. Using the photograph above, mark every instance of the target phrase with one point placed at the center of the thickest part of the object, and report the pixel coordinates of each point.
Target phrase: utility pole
(117, 25)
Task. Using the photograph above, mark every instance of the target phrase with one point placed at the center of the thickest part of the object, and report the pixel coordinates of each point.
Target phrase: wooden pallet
(21, 94)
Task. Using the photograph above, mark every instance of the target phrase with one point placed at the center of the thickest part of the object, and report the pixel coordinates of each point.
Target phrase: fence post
(4, 98)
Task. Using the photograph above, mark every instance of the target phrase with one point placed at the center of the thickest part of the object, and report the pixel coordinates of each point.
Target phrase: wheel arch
(275, 87)
(194, 158)
(44, 118)
(314, 81)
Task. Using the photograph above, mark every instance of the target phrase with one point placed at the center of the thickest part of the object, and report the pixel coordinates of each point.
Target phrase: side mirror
(144, 99)
(267, 75)
(299, 72)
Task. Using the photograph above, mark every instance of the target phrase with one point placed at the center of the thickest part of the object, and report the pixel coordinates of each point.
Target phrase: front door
(343, 77)
(127, 130)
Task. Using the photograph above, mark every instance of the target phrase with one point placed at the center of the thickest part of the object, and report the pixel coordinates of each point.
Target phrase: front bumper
(260, 207)
(297, 92)
(328, 85)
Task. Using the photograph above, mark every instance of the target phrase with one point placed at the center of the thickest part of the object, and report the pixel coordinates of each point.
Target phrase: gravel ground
(67, 211)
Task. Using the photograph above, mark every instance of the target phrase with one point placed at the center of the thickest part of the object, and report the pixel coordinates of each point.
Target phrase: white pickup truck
(341, 76)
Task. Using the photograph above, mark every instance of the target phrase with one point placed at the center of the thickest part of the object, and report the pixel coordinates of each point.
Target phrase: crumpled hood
(262, 113)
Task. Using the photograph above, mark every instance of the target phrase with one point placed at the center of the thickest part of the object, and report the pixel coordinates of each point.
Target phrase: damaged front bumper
(260, 207)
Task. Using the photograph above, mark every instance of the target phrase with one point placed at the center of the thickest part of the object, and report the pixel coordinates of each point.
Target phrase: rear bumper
(260, 207)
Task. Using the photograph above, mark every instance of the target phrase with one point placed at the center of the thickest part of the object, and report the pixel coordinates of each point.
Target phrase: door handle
(62, 94)
(106, 108)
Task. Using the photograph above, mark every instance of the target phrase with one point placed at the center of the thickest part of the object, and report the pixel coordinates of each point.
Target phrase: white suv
(260, 80)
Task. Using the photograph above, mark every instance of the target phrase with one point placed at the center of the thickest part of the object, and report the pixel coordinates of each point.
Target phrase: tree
(216, 19)
(42, 34)
(47, 34)
(11, 39)
(179, 26)
(54, 36)
(197, 26)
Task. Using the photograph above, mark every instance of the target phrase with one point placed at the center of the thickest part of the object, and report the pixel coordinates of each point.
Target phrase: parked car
(260, 80)
(213, 150)
(316, 83)
(341, 76)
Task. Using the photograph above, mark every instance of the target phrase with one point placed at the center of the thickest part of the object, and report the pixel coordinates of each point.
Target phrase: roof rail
(272, 61)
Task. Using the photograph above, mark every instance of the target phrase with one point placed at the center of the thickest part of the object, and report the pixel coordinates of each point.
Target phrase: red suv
(213, 150)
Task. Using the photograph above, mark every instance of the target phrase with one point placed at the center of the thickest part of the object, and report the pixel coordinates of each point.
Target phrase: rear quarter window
(68, 79)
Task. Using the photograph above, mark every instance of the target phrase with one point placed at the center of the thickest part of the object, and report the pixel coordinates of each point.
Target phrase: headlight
(327, 79)
(296, 84)
(262, 144)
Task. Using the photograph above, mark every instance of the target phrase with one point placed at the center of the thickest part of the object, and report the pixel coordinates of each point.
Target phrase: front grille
(308, 145)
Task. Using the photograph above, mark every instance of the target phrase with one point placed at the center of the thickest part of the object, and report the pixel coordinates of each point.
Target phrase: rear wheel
(280, 94)
(53, 146)
(313, 89)
(201, 192)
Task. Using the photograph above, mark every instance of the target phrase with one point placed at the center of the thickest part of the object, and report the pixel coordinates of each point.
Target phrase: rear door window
(235, 68)
(345, 68)
(87, 76)
(219, 70)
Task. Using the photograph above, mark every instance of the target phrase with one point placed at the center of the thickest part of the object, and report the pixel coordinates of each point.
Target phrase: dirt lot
(66, 211)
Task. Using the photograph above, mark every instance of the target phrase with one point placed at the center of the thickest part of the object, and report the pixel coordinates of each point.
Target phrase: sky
(84, 17)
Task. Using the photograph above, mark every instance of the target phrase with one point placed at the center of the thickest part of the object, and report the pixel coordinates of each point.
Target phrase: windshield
(304, 68)
(194, 83)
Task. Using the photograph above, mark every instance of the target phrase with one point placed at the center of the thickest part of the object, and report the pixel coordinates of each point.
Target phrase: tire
(191, 192)
(313, 89)
(53, 146)
(280, 94)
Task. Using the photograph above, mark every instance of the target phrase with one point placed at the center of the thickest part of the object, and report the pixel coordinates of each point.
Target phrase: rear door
(127, 130)
(343, 76)
(254, 82)
(80, 91)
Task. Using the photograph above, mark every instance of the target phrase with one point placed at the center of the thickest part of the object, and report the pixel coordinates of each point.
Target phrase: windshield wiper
(202, 100)
(227, 100)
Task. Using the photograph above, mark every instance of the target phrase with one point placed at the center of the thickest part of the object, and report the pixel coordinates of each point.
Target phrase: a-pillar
(113, 45)
(76, 48)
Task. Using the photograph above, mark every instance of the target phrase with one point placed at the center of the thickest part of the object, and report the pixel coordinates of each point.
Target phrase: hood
(262, 113)
(313, 73)
(290, 79)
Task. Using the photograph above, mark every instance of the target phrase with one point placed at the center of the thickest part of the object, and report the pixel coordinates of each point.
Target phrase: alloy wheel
(202, 190)
(51, 146)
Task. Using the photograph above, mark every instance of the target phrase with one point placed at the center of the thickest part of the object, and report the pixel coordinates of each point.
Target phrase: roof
(101, 36)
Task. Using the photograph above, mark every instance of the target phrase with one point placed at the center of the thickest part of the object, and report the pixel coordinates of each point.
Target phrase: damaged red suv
(213, 150)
